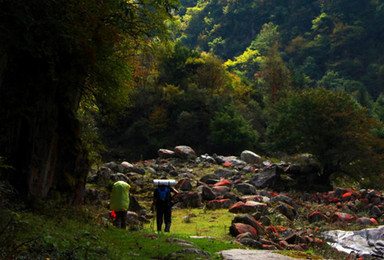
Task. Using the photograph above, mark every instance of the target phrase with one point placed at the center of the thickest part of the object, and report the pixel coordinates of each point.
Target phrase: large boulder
(103, 175)
(184, 152)
(285, 199)
(287, 210)
(240, 228)
(230, 195)
(251, 157)
(246, 189)
(94, 196)
(207, 193)
(267, 178)
(221, 190)
(115, 167)
(190, 199)
(184, 185)
(250, 220)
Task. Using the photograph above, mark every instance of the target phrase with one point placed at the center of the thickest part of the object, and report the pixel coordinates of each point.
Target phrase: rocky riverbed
(276, 205)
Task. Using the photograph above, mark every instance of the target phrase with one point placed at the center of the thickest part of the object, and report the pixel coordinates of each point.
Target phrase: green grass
(76, 234)
(213, 223)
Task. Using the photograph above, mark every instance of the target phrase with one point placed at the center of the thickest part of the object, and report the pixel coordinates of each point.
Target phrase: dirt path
(244, 254)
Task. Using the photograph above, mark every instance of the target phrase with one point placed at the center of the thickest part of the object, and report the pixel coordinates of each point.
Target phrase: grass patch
(309, 254)
(201, 222)
(76, 234)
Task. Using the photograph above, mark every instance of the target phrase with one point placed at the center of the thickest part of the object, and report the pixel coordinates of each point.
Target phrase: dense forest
(82, 82)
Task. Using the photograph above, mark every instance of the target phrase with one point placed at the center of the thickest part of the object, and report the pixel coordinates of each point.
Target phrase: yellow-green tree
(274, 76)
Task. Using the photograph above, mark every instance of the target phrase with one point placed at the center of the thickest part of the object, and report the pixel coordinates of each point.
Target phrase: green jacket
(120, 196)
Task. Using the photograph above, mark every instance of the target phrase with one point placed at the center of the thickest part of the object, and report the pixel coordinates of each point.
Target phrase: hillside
(334, 44)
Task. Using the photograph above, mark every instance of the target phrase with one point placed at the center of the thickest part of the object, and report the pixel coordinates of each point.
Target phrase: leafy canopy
(329, 125)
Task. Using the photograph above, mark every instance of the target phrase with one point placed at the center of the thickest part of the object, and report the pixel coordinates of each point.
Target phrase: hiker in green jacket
(120, 203)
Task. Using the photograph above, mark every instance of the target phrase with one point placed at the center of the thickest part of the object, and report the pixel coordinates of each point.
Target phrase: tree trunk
(40, 134)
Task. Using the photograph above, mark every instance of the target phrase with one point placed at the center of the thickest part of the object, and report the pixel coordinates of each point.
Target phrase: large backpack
(164, 193)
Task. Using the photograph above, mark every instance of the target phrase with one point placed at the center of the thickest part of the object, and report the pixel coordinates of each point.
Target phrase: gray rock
(184, 152)
(190, 199)
(207, 193)
(267, 178)
(224, 173)
(188, 253)
(165, 153)
(251, 157)
(229, 159)
(184, 185)
(210, 179)
(120, 177)
(207, 158)
(95, 197)
(252, 243)
(246, 188)
(103, 175)
(114, 166)
(246, 254)
(286, 210)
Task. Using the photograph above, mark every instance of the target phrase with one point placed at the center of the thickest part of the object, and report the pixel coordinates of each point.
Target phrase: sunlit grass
(201, 222)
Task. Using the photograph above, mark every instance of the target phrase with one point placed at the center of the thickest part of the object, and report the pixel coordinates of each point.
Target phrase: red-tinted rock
(367, 221)
(239, 228)
(345, 217)
(184, 152)
(219, 204)
(223, 182)
(317, 217)
(247, 207)
(248, 219)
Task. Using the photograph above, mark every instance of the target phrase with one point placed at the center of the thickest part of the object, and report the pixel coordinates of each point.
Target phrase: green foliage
(178, 103)
(275, 76)
(332, 127)
(230, 133)
(317, 36)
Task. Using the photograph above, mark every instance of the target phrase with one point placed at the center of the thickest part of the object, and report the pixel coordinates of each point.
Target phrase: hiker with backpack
(119, 203)
(162, 200)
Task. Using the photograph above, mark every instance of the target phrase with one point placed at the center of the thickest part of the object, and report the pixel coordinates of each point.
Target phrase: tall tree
(332, 127)
(53, 52)
(275, 76)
